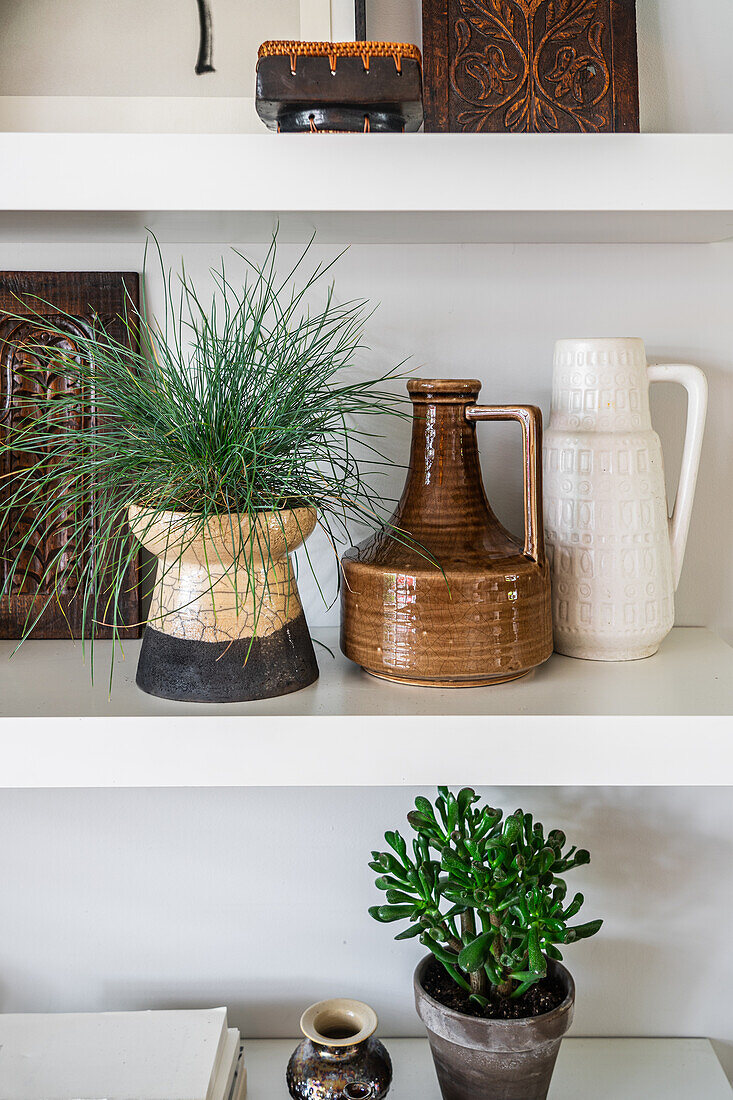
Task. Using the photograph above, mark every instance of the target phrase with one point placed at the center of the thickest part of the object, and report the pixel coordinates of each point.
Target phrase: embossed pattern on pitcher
(606, 521)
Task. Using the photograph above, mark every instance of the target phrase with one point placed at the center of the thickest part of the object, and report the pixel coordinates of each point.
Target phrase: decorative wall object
(466, 604)
(205, 61)
(616, 558)
(339, 1056)
(339, 86)
(530, 66)
(31, 369)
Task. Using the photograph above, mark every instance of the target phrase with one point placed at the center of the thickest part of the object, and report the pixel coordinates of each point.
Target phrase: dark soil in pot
(541, 998)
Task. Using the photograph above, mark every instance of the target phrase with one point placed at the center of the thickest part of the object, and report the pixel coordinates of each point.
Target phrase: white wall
(257, 899)
(494, 312)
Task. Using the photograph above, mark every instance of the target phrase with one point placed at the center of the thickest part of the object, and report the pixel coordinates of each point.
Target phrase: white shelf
(570, 722)
(423, 187)
(587, 1069)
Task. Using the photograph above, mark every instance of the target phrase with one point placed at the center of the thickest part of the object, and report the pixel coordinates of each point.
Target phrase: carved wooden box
(23, 374)
(530, 66)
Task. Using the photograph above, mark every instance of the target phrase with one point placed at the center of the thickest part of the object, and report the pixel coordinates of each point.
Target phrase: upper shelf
(416, 187)
(570, 723)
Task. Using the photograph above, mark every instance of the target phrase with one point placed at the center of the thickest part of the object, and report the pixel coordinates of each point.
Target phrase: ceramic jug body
(444, 596)
(615, 555)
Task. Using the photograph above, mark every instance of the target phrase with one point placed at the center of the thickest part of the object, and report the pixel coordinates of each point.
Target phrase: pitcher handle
(695, 382)
(530, 417)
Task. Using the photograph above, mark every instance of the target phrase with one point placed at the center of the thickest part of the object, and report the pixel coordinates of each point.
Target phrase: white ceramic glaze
(339, 1022)
(203, 589)
(615, 555)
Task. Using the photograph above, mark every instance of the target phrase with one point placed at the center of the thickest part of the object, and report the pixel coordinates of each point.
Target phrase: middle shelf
(662, 721)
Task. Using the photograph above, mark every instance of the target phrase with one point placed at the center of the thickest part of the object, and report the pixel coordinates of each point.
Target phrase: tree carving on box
(531, 66)
(27, 376)
(42, 587)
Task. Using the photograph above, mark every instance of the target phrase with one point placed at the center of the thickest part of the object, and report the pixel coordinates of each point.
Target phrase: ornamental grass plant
(246, 403)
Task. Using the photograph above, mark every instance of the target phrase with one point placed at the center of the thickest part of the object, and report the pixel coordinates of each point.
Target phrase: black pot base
(223, 672)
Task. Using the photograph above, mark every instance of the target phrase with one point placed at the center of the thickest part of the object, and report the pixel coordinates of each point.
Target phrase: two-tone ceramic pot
(339, 1055)
(479, 1059)
(225, 621)
(443, 595)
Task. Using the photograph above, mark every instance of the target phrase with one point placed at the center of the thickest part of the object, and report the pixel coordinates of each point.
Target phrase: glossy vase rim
(339, 1009)
(515, 1035)
(443, 390)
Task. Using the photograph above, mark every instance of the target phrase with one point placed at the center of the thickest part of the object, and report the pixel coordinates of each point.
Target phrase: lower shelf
(587, 1069)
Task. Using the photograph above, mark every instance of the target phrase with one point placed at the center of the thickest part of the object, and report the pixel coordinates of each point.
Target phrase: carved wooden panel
(23, 373)
(530, 66)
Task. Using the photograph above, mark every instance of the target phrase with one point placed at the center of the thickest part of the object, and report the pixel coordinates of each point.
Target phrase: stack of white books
(176, 1055)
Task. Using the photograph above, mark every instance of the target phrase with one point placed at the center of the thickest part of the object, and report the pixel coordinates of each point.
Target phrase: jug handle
(695, 382)
(530, 417)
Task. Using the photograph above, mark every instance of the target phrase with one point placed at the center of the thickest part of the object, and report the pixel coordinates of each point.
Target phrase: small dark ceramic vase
(339, 1056)
(479, 1059)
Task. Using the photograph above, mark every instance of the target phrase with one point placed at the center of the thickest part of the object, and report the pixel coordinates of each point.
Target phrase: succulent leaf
(474, 954)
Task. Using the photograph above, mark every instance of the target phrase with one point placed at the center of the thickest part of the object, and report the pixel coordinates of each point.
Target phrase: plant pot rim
(498, 1026)
(141, 509)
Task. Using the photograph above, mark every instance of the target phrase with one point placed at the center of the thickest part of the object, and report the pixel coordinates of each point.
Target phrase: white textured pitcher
(615, 555)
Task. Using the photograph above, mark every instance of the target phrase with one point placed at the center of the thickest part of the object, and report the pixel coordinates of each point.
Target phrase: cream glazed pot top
(615, 554)
(201, 593)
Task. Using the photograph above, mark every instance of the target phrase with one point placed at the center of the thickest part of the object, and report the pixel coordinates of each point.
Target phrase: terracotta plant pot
(214, 634)
(339, 1056)
(487, 616)
(494, 1059)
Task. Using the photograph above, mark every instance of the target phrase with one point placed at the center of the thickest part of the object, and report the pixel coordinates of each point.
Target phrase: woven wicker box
(326, 87)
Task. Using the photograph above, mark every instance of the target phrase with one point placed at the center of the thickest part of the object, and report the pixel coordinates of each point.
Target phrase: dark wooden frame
(447, 110)
(81, 295)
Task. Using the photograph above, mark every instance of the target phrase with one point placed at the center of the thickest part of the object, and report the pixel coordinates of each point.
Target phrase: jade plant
(483, 892)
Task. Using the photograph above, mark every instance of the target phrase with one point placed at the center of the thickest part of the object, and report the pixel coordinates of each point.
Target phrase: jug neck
(444, 487)
(600, 386)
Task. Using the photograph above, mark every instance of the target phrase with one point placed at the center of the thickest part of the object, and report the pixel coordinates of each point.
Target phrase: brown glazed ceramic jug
(486, 617)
